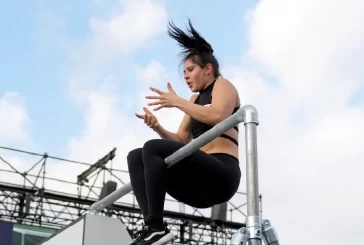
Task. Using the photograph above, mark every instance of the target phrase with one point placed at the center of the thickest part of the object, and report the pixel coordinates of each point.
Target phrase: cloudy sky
(73, 73)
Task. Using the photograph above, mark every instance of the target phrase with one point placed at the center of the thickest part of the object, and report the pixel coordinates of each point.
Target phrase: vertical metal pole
(253, 222)
(182, 233)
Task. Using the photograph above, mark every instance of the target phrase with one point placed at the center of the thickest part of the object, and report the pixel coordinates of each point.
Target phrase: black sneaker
(150, 236)
(139, 235)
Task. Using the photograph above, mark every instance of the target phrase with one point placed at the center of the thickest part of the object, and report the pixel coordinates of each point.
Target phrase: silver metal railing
(246, 114)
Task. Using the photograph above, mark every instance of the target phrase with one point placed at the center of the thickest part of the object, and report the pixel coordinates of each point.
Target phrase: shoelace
(138, 234)
(141, 233)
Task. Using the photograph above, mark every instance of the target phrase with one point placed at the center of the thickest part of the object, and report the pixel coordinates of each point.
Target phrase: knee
(134, 156)
(151, 144)
(154, 147)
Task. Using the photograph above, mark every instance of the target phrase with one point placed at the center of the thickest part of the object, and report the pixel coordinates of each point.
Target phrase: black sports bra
(197, 127)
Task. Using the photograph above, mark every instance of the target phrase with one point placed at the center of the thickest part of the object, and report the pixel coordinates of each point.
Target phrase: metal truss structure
(32, 203)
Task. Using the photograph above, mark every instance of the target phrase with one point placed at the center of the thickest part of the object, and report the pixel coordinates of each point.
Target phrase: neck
(208, 84)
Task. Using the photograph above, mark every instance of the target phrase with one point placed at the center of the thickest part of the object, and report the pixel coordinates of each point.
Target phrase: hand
(165, 99)
(149, 119)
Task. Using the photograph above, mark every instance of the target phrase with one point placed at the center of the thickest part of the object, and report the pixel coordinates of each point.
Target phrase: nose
(186, 76)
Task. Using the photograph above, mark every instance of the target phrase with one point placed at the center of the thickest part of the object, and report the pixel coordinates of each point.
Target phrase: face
(195, 76)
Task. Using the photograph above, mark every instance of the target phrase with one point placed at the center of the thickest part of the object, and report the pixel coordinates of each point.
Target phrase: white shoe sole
(164, 239)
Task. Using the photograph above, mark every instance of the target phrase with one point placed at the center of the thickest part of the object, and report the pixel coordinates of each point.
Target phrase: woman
(207, 177)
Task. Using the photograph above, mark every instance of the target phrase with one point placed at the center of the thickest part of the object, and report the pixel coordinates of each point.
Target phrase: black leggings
(199, 180)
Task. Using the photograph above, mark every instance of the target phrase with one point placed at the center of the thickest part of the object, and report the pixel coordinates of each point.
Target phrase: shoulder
(193, 97)
(226, 91)
(224, 84)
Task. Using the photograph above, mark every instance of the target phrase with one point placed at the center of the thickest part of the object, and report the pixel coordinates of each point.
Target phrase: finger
(150, 120)
(169, 86)
(158, 108)
(148, 112)
(156, 90)
(155, 103)
(139, 116)
(152, 124)
(153, 97)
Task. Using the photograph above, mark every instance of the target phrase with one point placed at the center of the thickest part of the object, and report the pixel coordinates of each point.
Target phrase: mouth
(189, 84)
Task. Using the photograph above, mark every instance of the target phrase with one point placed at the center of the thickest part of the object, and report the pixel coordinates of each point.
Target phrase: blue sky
(35, 60)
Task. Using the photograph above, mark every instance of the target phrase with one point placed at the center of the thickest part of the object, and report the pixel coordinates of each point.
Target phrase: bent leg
(136, 173)
(155, 173)
(199, 179)
(202, 180)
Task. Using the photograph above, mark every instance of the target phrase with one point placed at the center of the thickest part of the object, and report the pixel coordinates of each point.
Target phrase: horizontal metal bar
(111, 198)
(207, 137)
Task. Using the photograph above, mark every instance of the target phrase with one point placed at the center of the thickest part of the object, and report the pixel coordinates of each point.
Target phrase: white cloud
(138, 22)
(107, 52)
(309, 139)
(155, 75)
(14, 133)
(106, 126)
(107, 102)
(319, 41)
(14, 121)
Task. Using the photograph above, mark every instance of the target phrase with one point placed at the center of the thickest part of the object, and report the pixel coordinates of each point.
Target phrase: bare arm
(222, 104)
(165, 134)
(183, 134)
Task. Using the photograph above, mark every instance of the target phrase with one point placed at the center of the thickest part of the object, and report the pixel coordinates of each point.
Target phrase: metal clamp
(254, 227)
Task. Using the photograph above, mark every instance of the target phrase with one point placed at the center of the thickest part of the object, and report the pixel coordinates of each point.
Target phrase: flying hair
(194, 47)
(191, 42)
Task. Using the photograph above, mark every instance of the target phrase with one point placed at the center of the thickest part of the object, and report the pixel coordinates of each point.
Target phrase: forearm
(165, 134)
(204, 114)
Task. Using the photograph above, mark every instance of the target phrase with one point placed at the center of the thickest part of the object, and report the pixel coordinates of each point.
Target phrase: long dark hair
(194, 47)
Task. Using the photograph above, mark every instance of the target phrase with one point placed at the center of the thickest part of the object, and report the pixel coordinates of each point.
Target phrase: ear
(209, 69)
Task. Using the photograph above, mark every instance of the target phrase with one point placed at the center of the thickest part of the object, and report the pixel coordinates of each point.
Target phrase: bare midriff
(223, 145)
